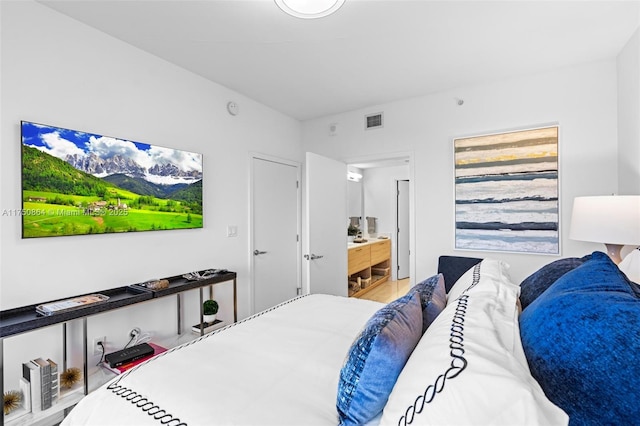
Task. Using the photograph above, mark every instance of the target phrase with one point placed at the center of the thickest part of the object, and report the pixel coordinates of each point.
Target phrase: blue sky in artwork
(32, 135)
(62, 143)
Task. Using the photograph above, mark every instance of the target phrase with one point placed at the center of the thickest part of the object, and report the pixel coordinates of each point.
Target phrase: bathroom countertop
(351, 245)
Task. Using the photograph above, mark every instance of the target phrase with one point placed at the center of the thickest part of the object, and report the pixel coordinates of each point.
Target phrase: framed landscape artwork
(76, 183)
(506, 192)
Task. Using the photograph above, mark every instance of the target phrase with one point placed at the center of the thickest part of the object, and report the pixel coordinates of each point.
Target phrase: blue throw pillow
(535, 284)
(433, 298)
(581, 338)
(376, 359)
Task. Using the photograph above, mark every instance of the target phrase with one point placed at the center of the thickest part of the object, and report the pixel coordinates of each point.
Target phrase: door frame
(390, 157)
(396, 225)
(298, 166)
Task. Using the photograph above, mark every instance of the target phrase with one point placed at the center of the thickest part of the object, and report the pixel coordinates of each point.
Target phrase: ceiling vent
(373, 121)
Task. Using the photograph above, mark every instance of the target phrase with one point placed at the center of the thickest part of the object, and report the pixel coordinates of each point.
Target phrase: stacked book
(42, 379)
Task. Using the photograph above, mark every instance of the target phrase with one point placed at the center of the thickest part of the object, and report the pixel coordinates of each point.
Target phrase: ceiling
(370, 52)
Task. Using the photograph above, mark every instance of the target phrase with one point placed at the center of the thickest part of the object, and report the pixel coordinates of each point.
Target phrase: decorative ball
(70, 377)
(12, 400)
(157, 284)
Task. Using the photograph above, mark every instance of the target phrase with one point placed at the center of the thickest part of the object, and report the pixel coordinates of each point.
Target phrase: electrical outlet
(97, 349)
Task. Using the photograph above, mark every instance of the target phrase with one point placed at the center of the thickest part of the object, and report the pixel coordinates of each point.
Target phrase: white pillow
(493, 271)
(469, 367)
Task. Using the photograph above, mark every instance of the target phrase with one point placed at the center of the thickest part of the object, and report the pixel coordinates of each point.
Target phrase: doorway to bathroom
(380, 201)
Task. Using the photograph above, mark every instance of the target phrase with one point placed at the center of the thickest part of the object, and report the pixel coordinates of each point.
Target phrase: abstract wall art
(506, 191)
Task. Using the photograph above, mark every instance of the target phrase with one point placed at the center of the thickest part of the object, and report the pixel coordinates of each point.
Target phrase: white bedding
(247, 374)
(282, 367)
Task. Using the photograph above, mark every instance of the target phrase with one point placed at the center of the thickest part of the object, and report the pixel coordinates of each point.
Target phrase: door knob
(258, 252)
(312, 257)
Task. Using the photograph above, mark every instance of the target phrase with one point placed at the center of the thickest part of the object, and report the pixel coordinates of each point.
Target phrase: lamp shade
(611, 219)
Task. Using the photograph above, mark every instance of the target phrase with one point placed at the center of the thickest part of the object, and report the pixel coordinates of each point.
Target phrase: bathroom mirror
(354, 201)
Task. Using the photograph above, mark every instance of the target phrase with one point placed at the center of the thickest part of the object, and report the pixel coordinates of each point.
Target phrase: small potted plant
(209, 310)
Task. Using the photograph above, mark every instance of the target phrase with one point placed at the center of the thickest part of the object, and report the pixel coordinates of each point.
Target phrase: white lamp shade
(611, 219)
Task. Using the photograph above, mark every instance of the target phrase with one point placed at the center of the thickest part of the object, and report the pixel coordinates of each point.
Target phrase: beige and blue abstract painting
(506, 192)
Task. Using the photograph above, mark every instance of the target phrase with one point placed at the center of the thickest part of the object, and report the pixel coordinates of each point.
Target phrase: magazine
(70, 304)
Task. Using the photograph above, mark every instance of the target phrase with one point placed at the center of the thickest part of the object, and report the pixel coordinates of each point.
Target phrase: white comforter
(276, 368)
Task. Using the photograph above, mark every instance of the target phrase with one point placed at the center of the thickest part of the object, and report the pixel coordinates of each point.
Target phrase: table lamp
(630, 265)
(613, 220)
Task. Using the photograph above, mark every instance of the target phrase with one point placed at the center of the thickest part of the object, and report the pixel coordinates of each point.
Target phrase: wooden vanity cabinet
(369, 265)
(380, 251)
(359, 259)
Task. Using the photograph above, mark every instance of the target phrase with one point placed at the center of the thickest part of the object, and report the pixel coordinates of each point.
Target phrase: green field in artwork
(45, 219)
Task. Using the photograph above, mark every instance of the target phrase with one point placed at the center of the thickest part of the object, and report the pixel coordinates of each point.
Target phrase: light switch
(232, 231)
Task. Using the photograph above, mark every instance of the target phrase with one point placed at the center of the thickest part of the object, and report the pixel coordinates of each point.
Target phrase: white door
(402, 239)
(326, 225)
(275, 248)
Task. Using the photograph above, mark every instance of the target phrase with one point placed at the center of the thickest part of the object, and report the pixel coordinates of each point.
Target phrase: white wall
(57, 71)
(629, 116)
(582, 100)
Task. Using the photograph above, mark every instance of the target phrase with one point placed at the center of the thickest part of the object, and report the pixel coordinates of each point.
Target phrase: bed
(468, 355)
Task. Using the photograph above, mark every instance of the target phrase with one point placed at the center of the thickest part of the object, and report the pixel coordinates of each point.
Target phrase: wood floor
(388, 291)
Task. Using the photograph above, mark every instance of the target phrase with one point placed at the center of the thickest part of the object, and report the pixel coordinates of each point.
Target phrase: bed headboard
(453, 267)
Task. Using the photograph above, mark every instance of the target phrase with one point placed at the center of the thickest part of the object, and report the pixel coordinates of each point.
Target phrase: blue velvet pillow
(376, 358)
(535, 284)
(581, 338)
(433, 298)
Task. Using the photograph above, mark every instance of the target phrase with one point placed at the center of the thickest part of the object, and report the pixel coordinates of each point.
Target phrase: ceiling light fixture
(309, 9)
(354, 176)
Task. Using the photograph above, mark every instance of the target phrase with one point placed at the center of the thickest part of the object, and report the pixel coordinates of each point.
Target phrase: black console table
(178, 284)
(24, 319)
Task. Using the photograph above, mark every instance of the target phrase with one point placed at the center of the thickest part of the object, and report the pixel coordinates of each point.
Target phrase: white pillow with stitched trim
(494, 273)
(469, 368)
